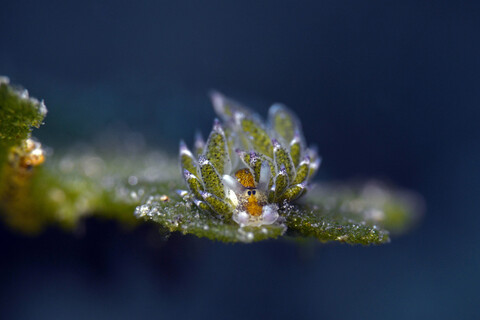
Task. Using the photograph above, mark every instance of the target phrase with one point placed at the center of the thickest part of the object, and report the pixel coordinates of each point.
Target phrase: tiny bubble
(132, 180)
(133, 195)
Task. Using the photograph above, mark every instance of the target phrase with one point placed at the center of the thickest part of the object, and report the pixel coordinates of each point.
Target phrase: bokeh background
(386, 89)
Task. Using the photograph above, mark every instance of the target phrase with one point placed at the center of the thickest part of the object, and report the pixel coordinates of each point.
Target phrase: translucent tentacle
(211, 179)
(282, 158)
(187, 159)
(302, 171)
(216, 149)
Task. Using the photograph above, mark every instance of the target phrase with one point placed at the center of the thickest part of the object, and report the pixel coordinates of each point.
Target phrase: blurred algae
(119, 178)
(19, 154)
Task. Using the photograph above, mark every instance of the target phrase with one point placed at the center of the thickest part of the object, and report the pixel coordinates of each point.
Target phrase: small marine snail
(247, 169)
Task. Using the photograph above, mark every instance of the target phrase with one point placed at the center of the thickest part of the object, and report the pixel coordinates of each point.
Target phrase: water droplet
(132, 180)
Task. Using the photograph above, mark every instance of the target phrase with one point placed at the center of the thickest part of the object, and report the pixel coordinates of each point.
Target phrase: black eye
(253, 192)
(249, 193)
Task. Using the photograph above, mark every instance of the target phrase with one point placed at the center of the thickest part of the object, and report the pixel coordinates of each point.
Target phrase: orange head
(252, 199)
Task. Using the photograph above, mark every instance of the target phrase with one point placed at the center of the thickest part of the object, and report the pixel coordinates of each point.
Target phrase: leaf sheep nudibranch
(248, 169)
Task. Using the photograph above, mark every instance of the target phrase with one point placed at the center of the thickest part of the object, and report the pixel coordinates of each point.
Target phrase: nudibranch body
(247, 169)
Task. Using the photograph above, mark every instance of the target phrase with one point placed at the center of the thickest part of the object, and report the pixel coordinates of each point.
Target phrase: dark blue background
(387, 89)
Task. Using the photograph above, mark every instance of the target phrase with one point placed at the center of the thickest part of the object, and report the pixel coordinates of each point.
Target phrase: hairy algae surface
(119, 178)
(354, 215)
(19, 114)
